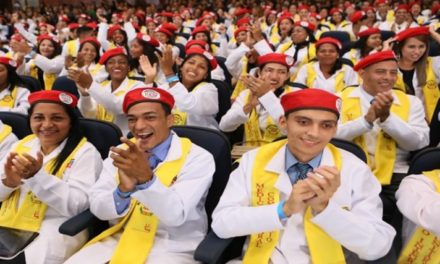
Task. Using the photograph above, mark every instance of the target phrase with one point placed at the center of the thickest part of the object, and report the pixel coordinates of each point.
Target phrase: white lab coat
(350, 77)
(180, 208)
(65, 198)
(6, 143)
(21, 104)
(419, 202)
(411, 135)
(352, 217)
(112, 101)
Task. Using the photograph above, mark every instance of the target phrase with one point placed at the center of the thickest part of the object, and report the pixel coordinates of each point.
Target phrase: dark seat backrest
(350, 147)
(102, 135)
(218, 145)
(425, 160)
(342, 36)
(18, 122)
(63, 83)
(31, 83)
(224, 98)
(228, 77)
(386, 34)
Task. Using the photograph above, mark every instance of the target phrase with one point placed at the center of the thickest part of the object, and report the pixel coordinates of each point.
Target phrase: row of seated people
(314, 188)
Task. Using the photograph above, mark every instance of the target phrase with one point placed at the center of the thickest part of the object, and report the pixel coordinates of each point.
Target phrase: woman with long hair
(327, 71)
(13, 95)
(46, 176)
(369, 40)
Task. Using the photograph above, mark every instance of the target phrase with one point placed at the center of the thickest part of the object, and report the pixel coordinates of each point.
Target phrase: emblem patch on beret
(208, 55)
(151, 94)
(65, 98)
(339, 104)
(289, 60)
(13, 63)
(146, 38)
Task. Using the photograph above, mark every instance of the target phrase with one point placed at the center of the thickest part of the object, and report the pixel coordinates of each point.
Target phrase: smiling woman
(47, 175)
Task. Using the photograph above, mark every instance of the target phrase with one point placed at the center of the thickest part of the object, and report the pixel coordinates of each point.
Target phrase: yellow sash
(49, 78)
(252, 131)
(311, 77)
(275, 39)
(32, 211)
(431, 92)
(141, 224)
(322, 247)
(239, 86)
(6, 131)
(72, 48)
(424, 246)
(101, 112)
(385, 153)
(179, 116)
(311, 53)
(8, 101)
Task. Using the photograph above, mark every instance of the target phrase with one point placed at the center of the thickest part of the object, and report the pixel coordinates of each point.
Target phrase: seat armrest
(212, 249)
(77, 223)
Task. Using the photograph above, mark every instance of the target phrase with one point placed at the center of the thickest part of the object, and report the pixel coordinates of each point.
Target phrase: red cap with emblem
(375, 58)
(47, 36)
(150, 40)
(197, 42)
(91, 39)
(8, 61)
(368, 32)
(312, 98)
(112, 30)
(204, 53)
(335, 10)
(357, 16)
(328, 40)
(241, 12)
(306, 25)
(279, 58)
(60, 97)
(111, 53)
(244, 20)
(284, 16)
(199, 29)
(240, 29)
(147, 94)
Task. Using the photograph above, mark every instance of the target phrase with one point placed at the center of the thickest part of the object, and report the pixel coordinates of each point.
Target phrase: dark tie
(302, 169)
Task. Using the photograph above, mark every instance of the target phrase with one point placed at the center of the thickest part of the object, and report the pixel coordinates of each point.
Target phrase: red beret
(402, 7)
(92, 25)
(335, 10)
(17, 37)
(163, 30)
(241, 11)
(196, 50)
(379, 2)
(91, 39)
(312, 98)
(375, 58)
(147, 94)
(412, 32)
(166, 14)
(200, 43)
(435, 9)
(61, 97)
(47, 36)
(111, 53)
(279, 58)
(315, 15)
(150, 40)
(200, 20)
(83, 16)
(306, 25)
(368, 32)
(244, 20)
(63, 18)
(8, 61)
(73, 26)
(112, 30)
(303, 7)
(330, 41)
(170, 27)
(285, 16)
(413, 3)
(357, 16)
(240, 29)
(199, 29)
(149, 20)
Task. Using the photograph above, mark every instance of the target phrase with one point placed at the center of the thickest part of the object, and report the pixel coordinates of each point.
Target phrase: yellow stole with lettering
(6, 131)
(179, 116)
(49, 78)
(8, 100)
(30, 214)
(140, 223)
(431, 92)
(311, 54)
(101, 112)
(252, 132)
(423, 247)
(239, 86)
(311, 77)
(321, 246)
(385, 154)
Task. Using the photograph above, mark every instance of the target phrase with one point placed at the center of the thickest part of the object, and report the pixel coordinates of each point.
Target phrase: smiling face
(117, 67)
(276, 73)
(136, 49)
(327, 54)
(195, 69)
(46, 48)
(118, 37)
(308, 132)
(374, 41)
(379, 77)
(413, 49)
(149, 124)
(50, 123)
(88, 52)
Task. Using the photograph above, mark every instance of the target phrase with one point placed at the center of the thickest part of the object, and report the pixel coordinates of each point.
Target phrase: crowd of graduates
(246, 69)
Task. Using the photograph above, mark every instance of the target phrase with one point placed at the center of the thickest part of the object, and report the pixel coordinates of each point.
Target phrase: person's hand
(324, 182)
(383, 102)
(251, 104)
(132, 164)
(149, 70)
(388, 44)
(82, 79)
(22, 166)
(80, 60)
(166, 60)
(250, 41)
(13, 178)
(257, 33)
(23, 47)
(258, 86)
(296, 202)
(371, 116)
